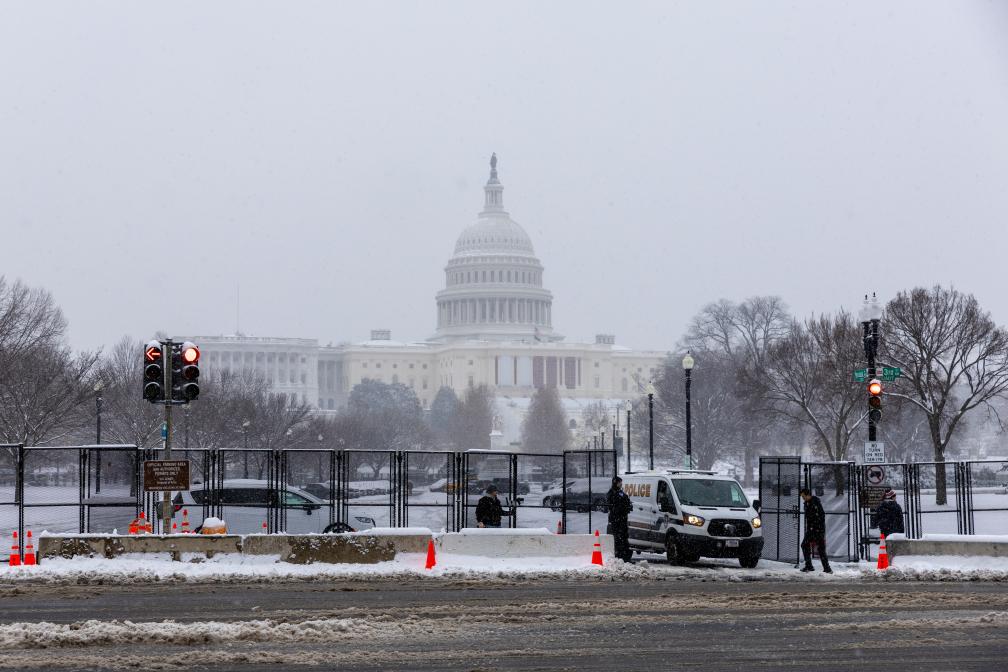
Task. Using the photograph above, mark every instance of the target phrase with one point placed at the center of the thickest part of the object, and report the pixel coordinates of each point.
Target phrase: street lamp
(98, 409)
(650, 422)
(628, 407)
(687, 365)
(245, 426)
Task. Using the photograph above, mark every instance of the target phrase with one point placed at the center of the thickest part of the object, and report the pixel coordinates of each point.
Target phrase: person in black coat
(488, 509)
(889, 515)
(619, 509)
(815, 531)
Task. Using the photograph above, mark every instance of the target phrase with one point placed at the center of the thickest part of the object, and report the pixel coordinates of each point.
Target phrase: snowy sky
(326, 155)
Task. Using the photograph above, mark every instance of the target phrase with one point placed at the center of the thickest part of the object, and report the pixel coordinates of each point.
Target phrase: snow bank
(504, 531)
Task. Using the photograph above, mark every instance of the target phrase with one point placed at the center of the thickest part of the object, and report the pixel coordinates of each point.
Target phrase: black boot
(807, 568)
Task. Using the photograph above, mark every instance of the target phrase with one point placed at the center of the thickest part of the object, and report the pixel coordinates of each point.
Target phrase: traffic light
(875, 400)
(153, 389)
(190, 355)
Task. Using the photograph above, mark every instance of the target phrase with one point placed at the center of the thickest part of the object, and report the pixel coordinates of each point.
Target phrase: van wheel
(672, 551)
(749, 561)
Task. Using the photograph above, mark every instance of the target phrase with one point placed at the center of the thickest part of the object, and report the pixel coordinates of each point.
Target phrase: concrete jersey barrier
(520, 543)
(993, 546)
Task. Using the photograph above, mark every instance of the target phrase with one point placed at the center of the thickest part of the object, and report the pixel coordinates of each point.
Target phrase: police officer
(488, 509)
(619, 509)
(815, 531)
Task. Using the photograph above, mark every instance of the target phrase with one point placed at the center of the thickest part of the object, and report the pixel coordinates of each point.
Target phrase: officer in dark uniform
(619, 509)
(815, 531)
(488, 509)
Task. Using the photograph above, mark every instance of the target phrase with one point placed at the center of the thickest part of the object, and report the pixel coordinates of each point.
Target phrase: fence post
(563, 494)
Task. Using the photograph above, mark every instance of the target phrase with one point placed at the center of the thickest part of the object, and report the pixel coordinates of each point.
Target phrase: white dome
(494, 233)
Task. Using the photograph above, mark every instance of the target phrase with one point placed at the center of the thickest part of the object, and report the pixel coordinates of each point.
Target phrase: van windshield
(709, 492)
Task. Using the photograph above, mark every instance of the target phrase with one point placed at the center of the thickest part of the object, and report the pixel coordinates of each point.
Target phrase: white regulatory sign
(874, 452)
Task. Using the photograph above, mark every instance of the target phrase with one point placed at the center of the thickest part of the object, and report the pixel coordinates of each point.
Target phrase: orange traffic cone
(174, 527)
(15, 553)
(560, 526)
(144, 525)
(29, 550)
(134, 526)
(597, 551)
(883, 556)
(185, 521)
(431, 560)
(265, 528)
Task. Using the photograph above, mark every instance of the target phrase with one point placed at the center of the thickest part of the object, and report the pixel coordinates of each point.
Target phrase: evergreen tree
(443, 412)
(545, 427)
(474, 419)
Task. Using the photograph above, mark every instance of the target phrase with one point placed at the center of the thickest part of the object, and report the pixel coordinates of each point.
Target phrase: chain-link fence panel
(480, 470)
(53, 493)
(779, 484)
(309, 498)
(988, 497)
(587, 477)
(539, 491)
(112, 491)
(10, 494)
(938, 506)
(835, 486)
(428, 489)
(366, 489)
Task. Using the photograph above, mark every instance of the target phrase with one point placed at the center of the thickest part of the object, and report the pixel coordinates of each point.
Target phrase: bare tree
(805, 378)
(954, 360)
(740, 335)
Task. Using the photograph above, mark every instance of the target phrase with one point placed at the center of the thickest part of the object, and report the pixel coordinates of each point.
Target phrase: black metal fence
(969, 497)
(84, 489)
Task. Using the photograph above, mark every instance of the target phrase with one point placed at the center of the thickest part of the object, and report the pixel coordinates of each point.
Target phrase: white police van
(689, 514)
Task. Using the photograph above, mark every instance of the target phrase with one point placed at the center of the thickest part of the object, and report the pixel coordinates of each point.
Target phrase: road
(504, 625)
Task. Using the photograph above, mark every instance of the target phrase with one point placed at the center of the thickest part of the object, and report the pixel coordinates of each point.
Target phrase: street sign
(874, 474)
(860, 375)
(870, 496)
(874, 452)
(166, 475)
(891, 373)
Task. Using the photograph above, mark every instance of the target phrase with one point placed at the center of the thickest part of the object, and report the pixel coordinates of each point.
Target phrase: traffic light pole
(871, 348)
(166, 512)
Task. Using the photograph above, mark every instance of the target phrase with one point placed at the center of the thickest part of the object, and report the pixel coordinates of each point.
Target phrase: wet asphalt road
(502, 625)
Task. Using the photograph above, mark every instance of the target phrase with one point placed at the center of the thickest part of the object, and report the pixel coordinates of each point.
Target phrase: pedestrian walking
(815, 531)
(488, 509)
(889, 514)
(619, 509)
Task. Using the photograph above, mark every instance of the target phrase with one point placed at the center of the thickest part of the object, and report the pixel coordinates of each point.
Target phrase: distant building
(494, 327)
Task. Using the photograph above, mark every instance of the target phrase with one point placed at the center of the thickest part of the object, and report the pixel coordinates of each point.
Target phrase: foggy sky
(325, 156)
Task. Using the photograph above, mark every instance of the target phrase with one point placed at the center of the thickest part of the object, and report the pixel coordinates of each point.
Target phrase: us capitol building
(494, 327)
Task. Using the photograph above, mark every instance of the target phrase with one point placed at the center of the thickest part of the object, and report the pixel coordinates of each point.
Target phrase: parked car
(578, 497)
(247, 503)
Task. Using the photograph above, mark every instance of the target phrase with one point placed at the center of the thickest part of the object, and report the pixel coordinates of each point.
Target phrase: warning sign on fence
(871, 496)
(162, 475)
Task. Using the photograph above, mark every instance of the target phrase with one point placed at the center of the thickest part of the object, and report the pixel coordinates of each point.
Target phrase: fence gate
(835, 484)
(780, 481)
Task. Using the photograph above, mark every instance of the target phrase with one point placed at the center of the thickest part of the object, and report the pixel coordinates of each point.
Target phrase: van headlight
(690, 519)
(756, 522)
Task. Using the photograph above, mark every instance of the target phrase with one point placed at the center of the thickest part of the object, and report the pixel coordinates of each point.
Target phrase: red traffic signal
(152, 351)
(190, 353)
(153, 372)
(875, 400)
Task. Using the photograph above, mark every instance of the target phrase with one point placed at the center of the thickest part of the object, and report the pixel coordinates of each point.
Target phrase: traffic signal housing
(189, 381)
(153, 372)
(875, 400)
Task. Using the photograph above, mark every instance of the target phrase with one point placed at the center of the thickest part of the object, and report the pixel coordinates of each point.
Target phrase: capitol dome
(493, 282)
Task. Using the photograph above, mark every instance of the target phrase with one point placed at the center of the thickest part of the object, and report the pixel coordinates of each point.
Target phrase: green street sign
(860, 375)
(891, 373)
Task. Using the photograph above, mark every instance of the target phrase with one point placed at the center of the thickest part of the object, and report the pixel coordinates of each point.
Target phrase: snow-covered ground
(146, 568)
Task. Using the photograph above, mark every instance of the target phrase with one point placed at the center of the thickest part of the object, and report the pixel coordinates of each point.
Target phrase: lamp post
(628, 407)
(98, 409)
(245, 426)
(650, 422)
(687, 365)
